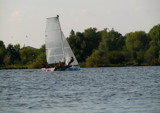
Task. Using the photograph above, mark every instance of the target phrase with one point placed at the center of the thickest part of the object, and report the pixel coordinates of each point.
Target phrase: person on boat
(71, 60)
(58, 66)
(67, 66)
(57, 16)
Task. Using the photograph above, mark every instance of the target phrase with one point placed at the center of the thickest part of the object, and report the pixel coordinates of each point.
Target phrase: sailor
(57, 16)
(71, 60)
(58, 66)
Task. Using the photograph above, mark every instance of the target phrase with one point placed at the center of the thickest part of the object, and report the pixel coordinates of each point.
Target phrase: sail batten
(57, 47)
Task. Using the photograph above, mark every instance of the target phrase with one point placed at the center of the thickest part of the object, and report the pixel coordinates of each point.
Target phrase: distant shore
(13, 67)
(81, 65)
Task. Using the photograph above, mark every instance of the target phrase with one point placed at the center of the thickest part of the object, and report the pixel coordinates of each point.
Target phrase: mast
(61, 39)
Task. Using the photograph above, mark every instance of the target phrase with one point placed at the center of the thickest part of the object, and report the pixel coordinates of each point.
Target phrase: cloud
(83, 11)
(108, 12)
(138, 9)
(15, 17)
(77, 12)
(15, 14)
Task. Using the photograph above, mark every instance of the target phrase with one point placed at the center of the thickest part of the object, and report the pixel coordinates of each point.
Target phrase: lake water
(90, 90)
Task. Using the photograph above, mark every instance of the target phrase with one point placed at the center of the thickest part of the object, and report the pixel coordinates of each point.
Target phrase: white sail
(57, 47)
(54, 44)
(68, 52)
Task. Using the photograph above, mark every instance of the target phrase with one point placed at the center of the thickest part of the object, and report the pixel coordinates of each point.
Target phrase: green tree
(6, 60)
(109, 49)
(17, 53)
(12, 54)
(83, 44)
(112, 41)
(154, 34)
(27, 55)
(43, 49)
(117, 57)
(137, 43)
(153, 53)
(91, 41)
(40, 61)
(95, 60)
(2, 52)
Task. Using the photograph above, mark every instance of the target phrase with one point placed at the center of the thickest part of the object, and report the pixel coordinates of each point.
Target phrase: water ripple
(91, 90)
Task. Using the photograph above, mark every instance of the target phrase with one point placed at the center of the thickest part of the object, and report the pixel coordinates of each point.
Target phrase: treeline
(109, 48)
(13, 56)
(92, 48)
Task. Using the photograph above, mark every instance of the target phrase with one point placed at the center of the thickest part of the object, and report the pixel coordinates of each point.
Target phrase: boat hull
(73, 68)
(48, 69)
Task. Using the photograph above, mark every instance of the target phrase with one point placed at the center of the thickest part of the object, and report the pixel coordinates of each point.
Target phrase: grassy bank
(32, 66)
(13, 67)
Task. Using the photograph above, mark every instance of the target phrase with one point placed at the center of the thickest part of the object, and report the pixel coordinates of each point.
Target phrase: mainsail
(57, 47)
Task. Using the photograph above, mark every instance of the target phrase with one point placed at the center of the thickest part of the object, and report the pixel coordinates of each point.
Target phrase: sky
(23, 21)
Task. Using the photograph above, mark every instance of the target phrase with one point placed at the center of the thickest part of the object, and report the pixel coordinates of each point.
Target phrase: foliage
(137, 43)
(28, 55)
(2, 52)
(113, 49)
(153, 53)
(40, 59)
(13, 55)
(111, 41)
(108, 51)
(92, 48)
(84, 43)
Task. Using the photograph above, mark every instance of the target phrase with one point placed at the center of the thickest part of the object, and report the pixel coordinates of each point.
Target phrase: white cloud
(15, 14)
(138, 9)
(83, 11)
(15, 17)
(108, 12)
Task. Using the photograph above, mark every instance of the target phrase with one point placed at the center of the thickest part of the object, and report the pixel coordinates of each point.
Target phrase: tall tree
(2, 52)
(27, 55)
(17, 53)
(11, 52)
(153, 53)
(109, 50)
(84, 43)
(137, 43)
(91, 41)
(112, 41)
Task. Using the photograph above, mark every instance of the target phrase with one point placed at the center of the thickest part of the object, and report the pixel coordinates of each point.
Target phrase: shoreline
(27, 67)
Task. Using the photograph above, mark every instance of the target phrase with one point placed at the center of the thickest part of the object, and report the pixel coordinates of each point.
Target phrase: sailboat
(57, 47)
